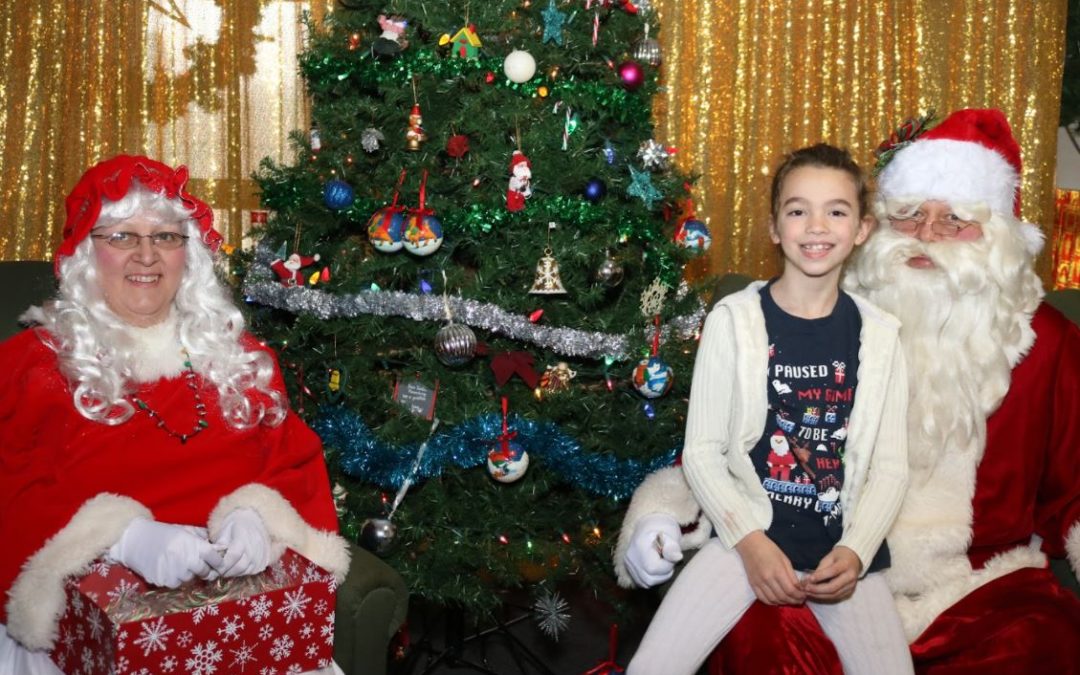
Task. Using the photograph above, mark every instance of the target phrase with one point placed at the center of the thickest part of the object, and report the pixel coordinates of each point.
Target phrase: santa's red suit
(69, 486)
(1026, 484)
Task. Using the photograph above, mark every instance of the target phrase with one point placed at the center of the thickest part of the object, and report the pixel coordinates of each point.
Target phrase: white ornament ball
(519, 66)
(508, 464)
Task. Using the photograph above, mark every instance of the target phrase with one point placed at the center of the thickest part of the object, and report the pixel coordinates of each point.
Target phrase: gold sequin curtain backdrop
(211, 84)
(748, 80)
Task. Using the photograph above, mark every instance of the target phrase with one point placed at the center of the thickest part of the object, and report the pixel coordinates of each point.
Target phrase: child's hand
(835, 577)
(769, 571)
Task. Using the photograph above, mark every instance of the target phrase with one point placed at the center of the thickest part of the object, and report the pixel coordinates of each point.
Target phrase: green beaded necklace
(200, 407)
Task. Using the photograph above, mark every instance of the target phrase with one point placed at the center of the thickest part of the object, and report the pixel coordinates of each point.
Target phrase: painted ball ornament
(653, 377)
(385, 229)
(378, 535)
(693, 233)
(423, 233)
(631, 74)
(519, 66)
(337, 194)
(455, 344)
(507, 462)
(595, 190)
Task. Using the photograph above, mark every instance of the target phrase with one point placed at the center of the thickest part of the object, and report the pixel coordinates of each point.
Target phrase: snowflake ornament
(653, 155)
(551, 614)
(652, 298)
(370, 139)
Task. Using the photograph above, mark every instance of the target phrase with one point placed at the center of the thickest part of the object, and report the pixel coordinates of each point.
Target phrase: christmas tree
(473, 275)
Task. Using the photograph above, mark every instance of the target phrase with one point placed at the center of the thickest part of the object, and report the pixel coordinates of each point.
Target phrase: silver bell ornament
(610, 273)
(455, 344)
(378, 535)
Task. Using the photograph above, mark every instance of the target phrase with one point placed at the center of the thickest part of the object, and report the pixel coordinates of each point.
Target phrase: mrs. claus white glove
(165, 554)
(654, 550)
(244, 543)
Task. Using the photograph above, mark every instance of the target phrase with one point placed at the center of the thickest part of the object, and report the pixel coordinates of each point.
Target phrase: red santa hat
(111, 179)
(517, 158)
(415, 110)
(971, 157)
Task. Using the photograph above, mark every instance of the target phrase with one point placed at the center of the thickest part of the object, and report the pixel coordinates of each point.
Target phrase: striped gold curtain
(213, 84)
(748, 80)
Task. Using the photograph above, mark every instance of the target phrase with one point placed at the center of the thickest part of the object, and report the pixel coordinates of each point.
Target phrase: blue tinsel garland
(466, 445)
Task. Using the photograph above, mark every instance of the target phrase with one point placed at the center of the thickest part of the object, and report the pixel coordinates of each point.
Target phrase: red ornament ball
(457, 146)
(631, 74)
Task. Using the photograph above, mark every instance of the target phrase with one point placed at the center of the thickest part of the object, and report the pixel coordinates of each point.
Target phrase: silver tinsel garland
(485, 316)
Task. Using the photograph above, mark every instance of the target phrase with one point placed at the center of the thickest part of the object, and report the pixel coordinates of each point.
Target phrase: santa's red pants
(1024, 622)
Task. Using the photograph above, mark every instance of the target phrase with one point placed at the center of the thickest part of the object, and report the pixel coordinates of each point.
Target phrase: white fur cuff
(286, 527)
(1072, 548)
(36, 599)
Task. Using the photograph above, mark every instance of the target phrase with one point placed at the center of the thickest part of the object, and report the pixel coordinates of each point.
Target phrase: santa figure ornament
(415, 134)
(288, 270)
(519, 188)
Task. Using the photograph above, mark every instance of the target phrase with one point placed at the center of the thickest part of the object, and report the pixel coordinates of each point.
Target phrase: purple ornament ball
(631, 74)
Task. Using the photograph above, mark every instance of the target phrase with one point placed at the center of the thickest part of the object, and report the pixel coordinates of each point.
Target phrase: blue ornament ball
(337, 194)
(385, 228)
(423, 234)
(653, 377)
(693, 234)
(595, 190)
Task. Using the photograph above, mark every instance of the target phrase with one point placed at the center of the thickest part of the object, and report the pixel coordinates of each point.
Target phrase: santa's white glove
(244, 543)
(654, 549)
(165, 554)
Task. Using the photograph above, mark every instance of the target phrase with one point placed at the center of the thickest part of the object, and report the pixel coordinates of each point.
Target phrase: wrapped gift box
(280, 621)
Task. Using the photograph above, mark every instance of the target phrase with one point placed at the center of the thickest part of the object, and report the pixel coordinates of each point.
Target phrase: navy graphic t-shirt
(800, 456)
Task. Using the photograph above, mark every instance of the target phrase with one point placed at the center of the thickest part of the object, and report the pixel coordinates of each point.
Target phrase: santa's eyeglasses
(948, 225)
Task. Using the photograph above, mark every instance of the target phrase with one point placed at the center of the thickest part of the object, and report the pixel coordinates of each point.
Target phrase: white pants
(710, 596)
(18, 660)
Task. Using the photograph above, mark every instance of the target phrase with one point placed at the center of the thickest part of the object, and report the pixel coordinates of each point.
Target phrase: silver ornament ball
(455, 344)
(610, 273)
(377, 535)
(648, 50)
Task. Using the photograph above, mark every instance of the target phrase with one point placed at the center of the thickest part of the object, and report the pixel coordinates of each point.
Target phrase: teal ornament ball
(337, 195)
(653, 377)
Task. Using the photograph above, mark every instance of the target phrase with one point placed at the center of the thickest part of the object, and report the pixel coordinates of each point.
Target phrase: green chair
(372, 601)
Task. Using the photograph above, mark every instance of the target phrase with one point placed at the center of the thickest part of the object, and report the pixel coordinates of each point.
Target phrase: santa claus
(288, 270)
(994, 398)
(519, 188)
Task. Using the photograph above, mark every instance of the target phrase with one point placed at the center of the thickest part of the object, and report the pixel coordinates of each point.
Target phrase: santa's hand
(654, 549)
(165, 554)
(243, 542)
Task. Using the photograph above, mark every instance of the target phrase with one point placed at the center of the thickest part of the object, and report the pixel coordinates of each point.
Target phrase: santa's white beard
(965, 324)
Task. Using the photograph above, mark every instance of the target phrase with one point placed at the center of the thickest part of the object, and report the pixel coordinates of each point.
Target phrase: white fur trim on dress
(664, 491)
(36, 600)
(958, 172)
(286, 527)
(1072, 547)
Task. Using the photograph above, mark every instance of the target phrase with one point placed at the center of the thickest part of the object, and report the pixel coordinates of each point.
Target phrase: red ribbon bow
(507, 364)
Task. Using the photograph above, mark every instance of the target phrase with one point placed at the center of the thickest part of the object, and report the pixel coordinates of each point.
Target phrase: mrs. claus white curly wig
(88, 337)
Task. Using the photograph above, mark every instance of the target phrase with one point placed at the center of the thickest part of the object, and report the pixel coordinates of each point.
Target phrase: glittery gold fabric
(748, 80)
(212, 84)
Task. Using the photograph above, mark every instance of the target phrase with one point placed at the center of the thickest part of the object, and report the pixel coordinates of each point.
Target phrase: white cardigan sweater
(728, 406)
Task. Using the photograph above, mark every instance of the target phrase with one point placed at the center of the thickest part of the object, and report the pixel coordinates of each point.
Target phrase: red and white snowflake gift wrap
(279, 622)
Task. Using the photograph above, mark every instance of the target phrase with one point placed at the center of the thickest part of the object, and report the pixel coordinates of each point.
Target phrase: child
(801, 477)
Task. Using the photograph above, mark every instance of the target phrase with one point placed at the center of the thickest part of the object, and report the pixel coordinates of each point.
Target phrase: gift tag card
(417, 397)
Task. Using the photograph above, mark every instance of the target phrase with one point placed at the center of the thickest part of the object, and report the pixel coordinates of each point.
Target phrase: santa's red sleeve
(1057, 509)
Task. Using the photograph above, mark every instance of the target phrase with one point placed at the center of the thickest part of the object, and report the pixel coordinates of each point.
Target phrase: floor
(448, 643)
